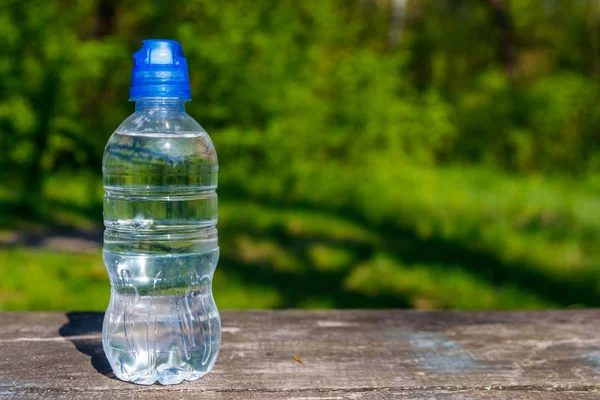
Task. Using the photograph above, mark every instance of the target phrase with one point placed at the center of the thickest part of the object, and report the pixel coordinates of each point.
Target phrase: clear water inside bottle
(160, 250)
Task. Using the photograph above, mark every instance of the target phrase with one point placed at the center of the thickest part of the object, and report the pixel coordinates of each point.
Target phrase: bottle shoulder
(148, 139)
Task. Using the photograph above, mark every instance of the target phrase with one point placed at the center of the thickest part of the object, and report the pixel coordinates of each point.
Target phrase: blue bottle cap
(160, 70)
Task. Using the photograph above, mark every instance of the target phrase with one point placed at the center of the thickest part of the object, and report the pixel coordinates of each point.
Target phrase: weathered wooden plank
(375, 394)
(345, 355)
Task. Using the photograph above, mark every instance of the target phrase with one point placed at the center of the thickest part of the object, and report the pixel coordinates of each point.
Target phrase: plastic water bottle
(160, 244)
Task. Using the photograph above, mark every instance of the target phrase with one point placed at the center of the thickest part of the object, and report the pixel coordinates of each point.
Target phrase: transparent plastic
(160, 246)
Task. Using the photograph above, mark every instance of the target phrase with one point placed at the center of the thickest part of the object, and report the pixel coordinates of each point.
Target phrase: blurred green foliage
(374, 153)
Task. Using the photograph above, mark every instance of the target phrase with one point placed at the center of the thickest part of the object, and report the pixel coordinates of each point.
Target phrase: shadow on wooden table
(81, 330)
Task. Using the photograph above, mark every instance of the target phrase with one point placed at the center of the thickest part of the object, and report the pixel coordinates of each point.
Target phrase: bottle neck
(160, 104)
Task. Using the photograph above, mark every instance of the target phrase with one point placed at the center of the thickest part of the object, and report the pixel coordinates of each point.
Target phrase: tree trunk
(502, 20)
(34, 172)
(106, 17)
(397, 21)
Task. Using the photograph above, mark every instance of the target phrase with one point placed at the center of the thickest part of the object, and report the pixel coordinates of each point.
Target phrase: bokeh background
(374, 153)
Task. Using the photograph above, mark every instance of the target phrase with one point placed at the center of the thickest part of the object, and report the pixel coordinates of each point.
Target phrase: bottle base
(162, 376)
(163, 368)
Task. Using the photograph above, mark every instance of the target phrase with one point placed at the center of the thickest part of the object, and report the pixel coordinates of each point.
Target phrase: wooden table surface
(345, 355)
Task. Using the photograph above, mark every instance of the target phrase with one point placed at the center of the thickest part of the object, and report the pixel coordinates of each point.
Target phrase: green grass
(446, 239)
(46, 280)
(37, 279)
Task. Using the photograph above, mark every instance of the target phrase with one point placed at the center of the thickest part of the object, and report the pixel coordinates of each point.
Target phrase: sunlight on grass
(438, 287)
(51, 280)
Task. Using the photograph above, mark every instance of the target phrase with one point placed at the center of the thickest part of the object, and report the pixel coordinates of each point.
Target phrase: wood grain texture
(345, 355)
